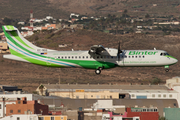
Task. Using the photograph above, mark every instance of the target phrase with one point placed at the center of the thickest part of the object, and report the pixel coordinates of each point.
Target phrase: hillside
(20, 9)
(16, 73)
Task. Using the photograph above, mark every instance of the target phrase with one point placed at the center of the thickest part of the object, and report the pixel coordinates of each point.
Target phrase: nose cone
(175, 61)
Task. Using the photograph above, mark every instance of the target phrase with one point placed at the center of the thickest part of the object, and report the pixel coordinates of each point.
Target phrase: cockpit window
(163, 54)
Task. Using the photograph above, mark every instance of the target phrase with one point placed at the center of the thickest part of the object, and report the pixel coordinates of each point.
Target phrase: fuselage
(128, 58)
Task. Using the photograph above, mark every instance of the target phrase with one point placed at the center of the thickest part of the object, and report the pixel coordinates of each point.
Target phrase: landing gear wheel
(98, 71)
(100, 68)
(167, 70)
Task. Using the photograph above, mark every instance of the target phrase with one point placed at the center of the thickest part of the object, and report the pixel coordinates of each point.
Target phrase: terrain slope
(20, 9)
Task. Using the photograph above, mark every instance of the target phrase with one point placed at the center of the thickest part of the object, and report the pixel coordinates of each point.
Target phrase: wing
(97, 50)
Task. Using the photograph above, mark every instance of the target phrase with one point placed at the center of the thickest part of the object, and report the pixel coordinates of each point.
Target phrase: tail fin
(17, 42)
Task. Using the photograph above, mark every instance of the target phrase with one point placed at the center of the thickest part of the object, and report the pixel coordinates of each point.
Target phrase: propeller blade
(119, 51)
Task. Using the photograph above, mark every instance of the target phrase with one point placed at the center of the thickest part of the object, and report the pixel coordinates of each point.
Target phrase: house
(34, 117)
(143, 113)
(22, 106)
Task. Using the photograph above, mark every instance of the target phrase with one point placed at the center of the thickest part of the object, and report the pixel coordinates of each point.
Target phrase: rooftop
(55, 87)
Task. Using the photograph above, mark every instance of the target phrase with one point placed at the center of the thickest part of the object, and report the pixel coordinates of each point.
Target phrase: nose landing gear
(166, 68)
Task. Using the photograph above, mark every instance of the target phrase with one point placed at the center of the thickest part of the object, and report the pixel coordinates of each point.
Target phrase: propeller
(119, 51)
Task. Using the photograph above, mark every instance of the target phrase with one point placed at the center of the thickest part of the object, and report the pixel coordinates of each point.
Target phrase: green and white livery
(97, 57)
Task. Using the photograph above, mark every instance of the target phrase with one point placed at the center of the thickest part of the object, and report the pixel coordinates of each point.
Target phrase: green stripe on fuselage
(83, 63)
(15, 35)
(170, 57)
(35, 61)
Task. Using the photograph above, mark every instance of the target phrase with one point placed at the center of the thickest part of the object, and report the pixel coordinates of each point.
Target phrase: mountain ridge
(19, 9)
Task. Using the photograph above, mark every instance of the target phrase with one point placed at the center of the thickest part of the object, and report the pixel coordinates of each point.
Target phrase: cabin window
(112, 57)
(87, 57)
(143, 56)
(125, 56)
(163, 54)
(129, 56)
(65, 57)
(93, 57)
(132, 56)
(69, 57)
(59, 57)
(97, 57)
(139, 56)
(170, 95)
(79, 57)
(83, 57)
(72, 57)
(136, 56)
(62, 57)
(76, 57)
(101, 57)
(159, 95)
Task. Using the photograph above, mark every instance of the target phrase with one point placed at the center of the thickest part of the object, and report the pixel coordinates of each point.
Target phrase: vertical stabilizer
(17, 43)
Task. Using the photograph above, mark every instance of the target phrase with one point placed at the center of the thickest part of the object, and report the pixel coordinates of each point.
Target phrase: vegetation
(156, 81)
(162, 118)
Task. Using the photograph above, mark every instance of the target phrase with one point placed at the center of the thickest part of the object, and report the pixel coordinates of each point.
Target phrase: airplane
(97, 58)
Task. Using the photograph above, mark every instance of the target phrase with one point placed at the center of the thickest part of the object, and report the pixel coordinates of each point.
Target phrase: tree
(41, 87)
(147, 16)
(125, 13)
(8, 21)
(156, 81)
(162, 118)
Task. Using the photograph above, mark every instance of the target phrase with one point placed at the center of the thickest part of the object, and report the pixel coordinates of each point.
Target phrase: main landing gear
(98, 71)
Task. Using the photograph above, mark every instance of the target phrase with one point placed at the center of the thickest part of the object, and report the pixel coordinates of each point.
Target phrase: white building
(49, 17)
(104, 104)
(153, 94)
(21, 117)
(169, 23)
(107, 117)
(21, 23)
(73, 14)
(174, 84)
(28, 33)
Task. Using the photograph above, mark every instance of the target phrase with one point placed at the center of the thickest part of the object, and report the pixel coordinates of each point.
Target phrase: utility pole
(59, 80)
(59, 76)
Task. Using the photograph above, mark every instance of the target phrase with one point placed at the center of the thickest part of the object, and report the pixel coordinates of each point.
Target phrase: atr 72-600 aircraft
(97, 57)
